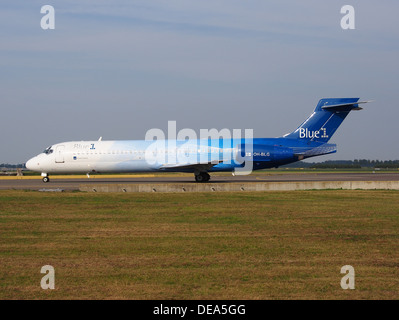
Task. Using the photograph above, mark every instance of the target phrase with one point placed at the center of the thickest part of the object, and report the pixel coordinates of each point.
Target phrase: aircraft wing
(191, 166)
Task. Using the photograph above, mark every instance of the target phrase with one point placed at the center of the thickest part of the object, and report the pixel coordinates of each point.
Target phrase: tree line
(12, 166)
(347, 164)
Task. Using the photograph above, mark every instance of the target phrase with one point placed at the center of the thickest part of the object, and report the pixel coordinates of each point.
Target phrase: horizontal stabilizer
(342, 106)
(318, 151)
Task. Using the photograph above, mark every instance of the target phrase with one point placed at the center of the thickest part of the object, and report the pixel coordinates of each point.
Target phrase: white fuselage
(124, 156)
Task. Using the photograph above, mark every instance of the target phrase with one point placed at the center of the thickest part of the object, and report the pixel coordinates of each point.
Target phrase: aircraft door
(59, 154)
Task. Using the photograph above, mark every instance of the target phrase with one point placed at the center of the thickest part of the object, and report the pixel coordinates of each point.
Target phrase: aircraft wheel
(199, 178)
(46, 179)
(202, 177)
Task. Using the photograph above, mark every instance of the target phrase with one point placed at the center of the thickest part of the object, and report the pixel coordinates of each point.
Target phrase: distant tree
(347, 164)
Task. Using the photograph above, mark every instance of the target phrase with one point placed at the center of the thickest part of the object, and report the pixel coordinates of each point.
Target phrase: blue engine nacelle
(261, 153)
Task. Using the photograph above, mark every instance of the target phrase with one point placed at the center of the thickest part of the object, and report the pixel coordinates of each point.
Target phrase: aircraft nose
(30, 164)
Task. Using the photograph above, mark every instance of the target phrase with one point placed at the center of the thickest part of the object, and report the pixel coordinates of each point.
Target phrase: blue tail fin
(325, 120)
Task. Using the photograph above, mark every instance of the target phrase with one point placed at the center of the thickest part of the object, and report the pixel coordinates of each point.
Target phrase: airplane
(200, 157)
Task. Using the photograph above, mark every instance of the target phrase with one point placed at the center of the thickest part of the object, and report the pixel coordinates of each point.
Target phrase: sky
(116, 69)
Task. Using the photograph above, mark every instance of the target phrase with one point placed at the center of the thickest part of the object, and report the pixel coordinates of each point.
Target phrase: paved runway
(73, 184)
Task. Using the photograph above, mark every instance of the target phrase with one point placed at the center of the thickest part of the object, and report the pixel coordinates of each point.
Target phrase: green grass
(272, 245)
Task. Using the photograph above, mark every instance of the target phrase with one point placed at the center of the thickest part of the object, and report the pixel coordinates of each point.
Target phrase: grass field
(273, 245)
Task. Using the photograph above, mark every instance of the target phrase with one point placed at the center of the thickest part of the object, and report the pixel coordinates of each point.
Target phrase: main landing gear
(202, 177)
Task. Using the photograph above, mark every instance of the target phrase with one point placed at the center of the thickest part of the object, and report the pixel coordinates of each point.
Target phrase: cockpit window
(48, 150)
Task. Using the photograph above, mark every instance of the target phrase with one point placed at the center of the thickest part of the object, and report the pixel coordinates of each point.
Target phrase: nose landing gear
(46, 178)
